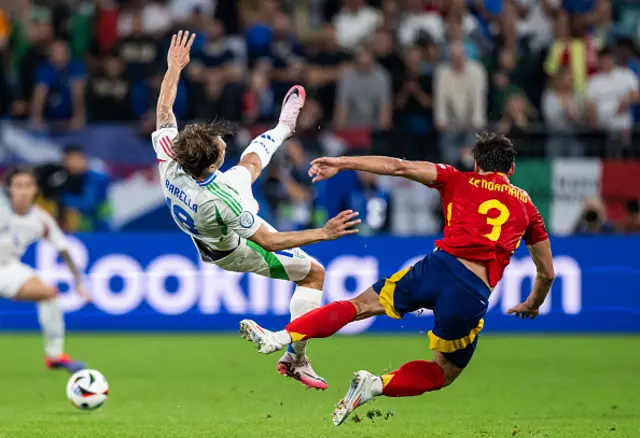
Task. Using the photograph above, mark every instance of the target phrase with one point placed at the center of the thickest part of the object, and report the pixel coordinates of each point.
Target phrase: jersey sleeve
(444, 174)
(52, 231)
(536, 231)
(162, 140)
(227, 213)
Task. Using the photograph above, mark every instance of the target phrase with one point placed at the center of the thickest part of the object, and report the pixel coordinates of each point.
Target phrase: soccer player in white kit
(218, 209)
(21, 224)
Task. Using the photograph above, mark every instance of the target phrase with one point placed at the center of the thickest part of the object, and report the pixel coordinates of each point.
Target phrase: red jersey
(485, 218)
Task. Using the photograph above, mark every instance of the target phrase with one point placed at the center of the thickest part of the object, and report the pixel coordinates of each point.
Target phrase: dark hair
(605, 51)
(633, 206)
(198, 146)
(494, 152)
(11, 173)
(73, 148)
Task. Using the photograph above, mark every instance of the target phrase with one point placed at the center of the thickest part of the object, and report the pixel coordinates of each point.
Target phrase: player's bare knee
(315, 277)
(450, 371)
(367, 304)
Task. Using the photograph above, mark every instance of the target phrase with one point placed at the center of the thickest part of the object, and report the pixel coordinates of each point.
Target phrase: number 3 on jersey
(182, 217)
(496, 222)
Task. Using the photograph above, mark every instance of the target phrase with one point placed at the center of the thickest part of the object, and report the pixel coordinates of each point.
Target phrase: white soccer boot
(360, 392)
(301, 371)
(291, 106)
(264, 340)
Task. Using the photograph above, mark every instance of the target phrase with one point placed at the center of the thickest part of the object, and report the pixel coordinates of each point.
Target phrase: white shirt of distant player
(17, 232)
(606, 90)
(226, 209)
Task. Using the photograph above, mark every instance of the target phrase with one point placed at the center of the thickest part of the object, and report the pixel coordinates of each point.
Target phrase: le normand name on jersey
(500, 187)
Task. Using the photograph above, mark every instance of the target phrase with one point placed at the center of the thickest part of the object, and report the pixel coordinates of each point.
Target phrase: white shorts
(13, 276)
(292, 265)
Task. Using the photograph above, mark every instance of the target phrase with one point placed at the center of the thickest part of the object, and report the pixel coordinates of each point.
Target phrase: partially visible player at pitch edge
(218, 209)
(21, 224)
(486, 217)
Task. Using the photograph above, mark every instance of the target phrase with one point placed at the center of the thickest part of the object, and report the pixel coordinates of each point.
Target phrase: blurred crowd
(414, 78)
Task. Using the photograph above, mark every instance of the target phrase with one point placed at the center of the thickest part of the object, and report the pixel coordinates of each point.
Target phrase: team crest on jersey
(247, 219)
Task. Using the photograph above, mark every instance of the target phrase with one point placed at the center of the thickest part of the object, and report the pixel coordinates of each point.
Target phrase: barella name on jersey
(181, 195)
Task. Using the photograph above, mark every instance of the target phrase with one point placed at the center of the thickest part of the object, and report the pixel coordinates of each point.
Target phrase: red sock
(413, 378)
(322, 322)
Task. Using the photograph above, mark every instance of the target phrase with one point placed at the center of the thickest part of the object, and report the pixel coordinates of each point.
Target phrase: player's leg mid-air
(26, 224)
(295, 266)
(453, 281)
(225, 226)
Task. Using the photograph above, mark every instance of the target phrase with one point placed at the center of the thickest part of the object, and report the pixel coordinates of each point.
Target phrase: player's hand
(341, 225)
(524, 310)
(324, 168)
(178, 55)
(82, 291)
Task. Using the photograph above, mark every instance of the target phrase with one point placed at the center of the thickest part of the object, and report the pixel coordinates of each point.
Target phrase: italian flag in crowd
(559, 187)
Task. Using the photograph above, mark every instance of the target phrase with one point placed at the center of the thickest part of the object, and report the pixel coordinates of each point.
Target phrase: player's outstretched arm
(543, 259)
(177, 59)
(339, 226)
(423, 172)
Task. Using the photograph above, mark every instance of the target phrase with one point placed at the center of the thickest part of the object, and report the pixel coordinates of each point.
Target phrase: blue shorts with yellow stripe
(458, 298)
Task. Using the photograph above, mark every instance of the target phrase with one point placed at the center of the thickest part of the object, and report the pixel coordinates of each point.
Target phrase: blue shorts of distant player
(459, 300)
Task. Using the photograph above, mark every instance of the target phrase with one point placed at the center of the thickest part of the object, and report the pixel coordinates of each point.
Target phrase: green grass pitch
(195, 386)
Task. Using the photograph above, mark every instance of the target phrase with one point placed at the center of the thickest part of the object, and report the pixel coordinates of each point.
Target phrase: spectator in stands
(216, 53)
(289, 190)
(139, 52)
(456, 34)
(144, 95)
(287, 56)
(572, 47)
(27, 56)
(417, 21)
(108, 92)
(517, 117)
(156, 19)
(563, 115)
(609, 95)
(364, 95)
(631, 223)
(460, 101)
(593, 219)
(392, 16)
(6, 94)
(388, 57)
(355, 23)
(535, 23)
(373, 201)
(259, 99)
(414, 102)
(85, 193)
(325, 68)
(60, 89)
(214, 98)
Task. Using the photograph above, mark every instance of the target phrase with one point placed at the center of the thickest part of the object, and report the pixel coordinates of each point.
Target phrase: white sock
(267, 143)
(376, 388)
(52, 326)
(283, 337)
(304, 300)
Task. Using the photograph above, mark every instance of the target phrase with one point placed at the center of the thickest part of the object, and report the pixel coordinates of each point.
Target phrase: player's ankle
(377, 387)
(283, 337)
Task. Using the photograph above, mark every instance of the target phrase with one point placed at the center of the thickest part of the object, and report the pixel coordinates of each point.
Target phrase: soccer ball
(87, 389)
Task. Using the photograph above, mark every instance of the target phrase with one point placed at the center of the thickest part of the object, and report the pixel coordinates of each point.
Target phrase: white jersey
(218, 212)
(17, 232)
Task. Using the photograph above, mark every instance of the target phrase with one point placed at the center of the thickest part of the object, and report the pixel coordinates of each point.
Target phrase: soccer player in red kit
(486, 217)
